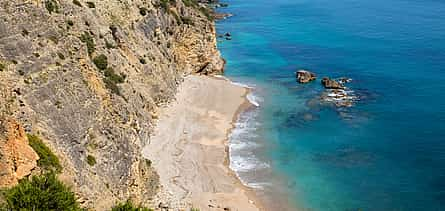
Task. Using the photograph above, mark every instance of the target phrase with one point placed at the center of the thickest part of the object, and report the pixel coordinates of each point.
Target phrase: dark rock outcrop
(304, 76)
(331, 83)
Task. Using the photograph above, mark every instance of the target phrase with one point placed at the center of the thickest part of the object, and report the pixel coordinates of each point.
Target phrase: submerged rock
(331, 83)
(304, 76)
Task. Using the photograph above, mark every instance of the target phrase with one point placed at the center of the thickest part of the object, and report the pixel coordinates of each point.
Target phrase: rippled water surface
(387, 151)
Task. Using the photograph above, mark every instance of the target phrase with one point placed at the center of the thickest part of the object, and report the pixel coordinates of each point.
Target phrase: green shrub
(61, 56)
(187, 20)
(77, 2)
(112, 86)
(142, 61)
(25, 32)
(89, 41)
(51, 6)
(110, 74)
(91, 4)
(70, 23)
(143, 11)
(109, 45)
(101, 62)
(128, 206)
(207, 12)
(2, 67)
(111, 80)
(48, 161)
(165, 4)
(43, 192)
(91, 160)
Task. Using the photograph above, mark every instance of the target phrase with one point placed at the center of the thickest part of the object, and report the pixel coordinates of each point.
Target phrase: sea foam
(242, 146)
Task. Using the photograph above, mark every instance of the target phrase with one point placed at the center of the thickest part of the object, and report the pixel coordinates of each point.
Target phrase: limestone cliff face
(49, 83)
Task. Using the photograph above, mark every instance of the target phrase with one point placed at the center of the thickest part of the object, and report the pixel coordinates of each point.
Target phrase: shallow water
(387, 152)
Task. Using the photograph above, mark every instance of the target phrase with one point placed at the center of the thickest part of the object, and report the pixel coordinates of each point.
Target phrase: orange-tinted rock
(18, 159)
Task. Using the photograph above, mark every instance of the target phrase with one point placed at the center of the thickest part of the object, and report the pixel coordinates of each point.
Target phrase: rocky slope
(88, 76)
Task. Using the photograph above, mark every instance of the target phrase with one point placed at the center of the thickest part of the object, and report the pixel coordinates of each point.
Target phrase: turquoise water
(387, 152)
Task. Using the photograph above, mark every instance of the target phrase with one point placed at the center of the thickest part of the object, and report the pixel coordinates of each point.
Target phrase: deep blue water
(387, 152)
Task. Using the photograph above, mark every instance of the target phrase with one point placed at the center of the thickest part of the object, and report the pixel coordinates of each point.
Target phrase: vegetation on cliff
(129, 206)
(93, 73)
(44, 192)
(48, 161)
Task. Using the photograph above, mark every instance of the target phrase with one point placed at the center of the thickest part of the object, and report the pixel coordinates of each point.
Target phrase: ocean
(384, 152)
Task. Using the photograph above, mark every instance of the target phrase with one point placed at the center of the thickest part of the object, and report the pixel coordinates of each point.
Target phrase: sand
(189, 147)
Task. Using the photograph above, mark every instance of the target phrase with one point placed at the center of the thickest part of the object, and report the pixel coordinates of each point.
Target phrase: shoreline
(247, 104)
(193, 160)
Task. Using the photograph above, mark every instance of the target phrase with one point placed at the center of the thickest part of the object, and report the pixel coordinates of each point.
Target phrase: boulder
(331, 84)
(304, 76)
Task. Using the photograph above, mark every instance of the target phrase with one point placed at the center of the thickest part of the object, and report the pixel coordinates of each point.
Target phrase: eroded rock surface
(50, 84)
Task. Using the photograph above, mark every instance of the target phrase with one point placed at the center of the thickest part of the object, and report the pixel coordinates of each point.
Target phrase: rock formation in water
(304, 76)
(89, 76)
(331, 83)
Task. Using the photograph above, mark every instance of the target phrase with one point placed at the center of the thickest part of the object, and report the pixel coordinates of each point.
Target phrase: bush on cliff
(51, 6)
(128, 206)
(48, 161)
(43, 192)
(91, 160)
(101, 62)
(89, 41)
(77, 2)
(190, 3)
(112, 79)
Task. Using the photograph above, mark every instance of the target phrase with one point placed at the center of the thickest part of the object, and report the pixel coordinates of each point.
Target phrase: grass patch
(89, 41)
(43, 192)
(91, 160)
(77, 2)
(101, 62)
(48, 160)
(128, 206)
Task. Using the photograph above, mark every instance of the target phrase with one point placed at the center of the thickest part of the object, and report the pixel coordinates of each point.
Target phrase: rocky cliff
(88, 76)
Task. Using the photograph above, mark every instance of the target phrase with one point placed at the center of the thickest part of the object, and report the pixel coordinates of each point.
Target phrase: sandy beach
(189, 147)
